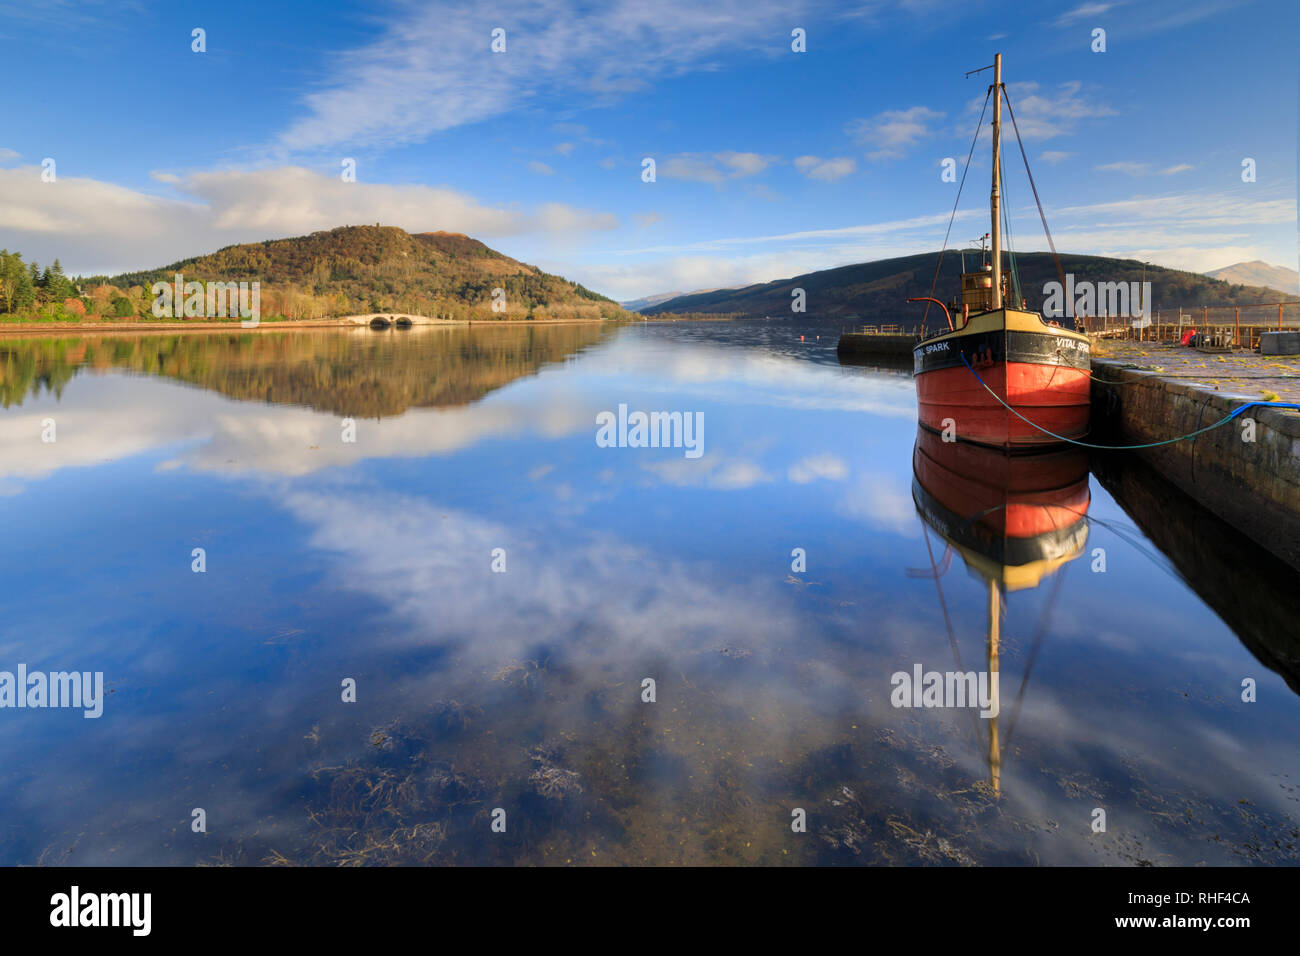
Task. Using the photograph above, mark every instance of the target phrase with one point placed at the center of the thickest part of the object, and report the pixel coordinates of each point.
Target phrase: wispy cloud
(827, 170)
(1142, 169)
(1084, 11)
(715, 168)
(433, 69)
(1124, 166)
(827, 467)
(94, 225)
(894, 132)
(1044, 114)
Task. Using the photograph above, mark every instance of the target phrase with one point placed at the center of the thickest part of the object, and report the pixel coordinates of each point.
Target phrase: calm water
(372, 560)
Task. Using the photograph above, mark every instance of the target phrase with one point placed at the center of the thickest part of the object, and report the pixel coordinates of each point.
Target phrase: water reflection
(523, 689)
(359, 373)
(1013, 519)
(1249, 587)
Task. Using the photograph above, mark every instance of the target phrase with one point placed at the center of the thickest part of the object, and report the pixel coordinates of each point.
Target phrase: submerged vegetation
(691, 785)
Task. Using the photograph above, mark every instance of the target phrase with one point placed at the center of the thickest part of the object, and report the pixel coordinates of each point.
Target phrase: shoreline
(59, 329)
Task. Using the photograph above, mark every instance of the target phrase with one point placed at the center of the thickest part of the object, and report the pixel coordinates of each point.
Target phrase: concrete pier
(876, 345)
(1246, 471)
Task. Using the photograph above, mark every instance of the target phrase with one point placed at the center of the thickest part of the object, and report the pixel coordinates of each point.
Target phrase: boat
(1014, 520)
(998, 375)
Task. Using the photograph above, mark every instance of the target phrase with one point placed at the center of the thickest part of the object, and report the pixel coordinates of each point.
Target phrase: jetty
(876, 342)
(1169, 397)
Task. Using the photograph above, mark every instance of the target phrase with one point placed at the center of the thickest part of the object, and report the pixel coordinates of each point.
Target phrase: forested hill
(878, 291)
(356, 269)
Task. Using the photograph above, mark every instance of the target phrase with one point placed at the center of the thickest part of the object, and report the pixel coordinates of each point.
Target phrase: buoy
(801, 338)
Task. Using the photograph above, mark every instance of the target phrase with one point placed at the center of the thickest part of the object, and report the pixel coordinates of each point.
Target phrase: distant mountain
(1258, 273)
(640, 305)
(359, 269)
(878, 291)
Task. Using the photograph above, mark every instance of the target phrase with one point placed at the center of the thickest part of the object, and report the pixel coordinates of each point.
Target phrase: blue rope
(1154, 444)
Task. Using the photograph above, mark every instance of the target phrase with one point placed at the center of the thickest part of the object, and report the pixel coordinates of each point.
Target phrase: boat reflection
(1013, 519)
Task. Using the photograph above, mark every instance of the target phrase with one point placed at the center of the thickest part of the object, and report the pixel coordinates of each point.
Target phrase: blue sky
(769, 162)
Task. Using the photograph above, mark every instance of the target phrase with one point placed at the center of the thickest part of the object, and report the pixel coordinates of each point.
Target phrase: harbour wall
(1252, 484)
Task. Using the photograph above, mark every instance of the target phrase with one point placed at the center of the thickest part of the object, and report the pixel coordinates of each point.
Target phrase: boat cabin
(977, 291)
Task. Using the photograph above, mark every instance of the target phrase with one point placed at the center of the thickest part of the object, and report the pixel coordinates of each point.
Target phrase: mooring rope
(1154, 444)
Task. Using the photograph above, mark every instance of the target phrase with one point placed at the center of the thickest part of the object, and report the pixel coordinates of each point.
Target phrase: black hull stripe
(970, 533)
(983, 349)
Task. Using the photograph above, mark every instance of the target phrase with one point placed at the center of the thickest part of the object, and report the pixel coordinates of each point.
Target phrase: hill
(640, 305)
(358, 269)
(878, 291)
(1258, 273)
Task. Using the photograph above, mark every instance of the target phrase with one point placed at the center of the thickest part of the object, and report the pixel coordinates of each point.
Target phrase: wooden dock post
(1236, 326)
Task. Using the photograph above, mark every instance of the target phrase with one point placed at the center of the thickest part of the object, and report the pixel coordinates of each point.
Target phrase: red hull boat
(998, 375)
(1005, 378)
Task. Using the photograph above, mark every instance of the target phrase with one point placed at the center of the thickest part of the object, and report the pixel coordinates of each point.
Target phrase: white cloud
(433, 69)
(894, 132)
(716, 168)
(564, 149)
(1084, 12)
(556, 217)
(1043, 115)
(827, 170)
(98, 226)
(710, 472)
(8, 154)
(744, 164)
(878, 500)
(1131, 168)
(1054, 156)
(541, 168)
(1193, 231)
(1143, 169)
(730, 262)
(807, 470)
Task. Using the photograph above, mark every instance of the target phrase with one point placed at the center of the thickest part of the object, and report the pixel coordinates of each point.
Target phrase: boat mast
(996, 198)
(994, 629)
